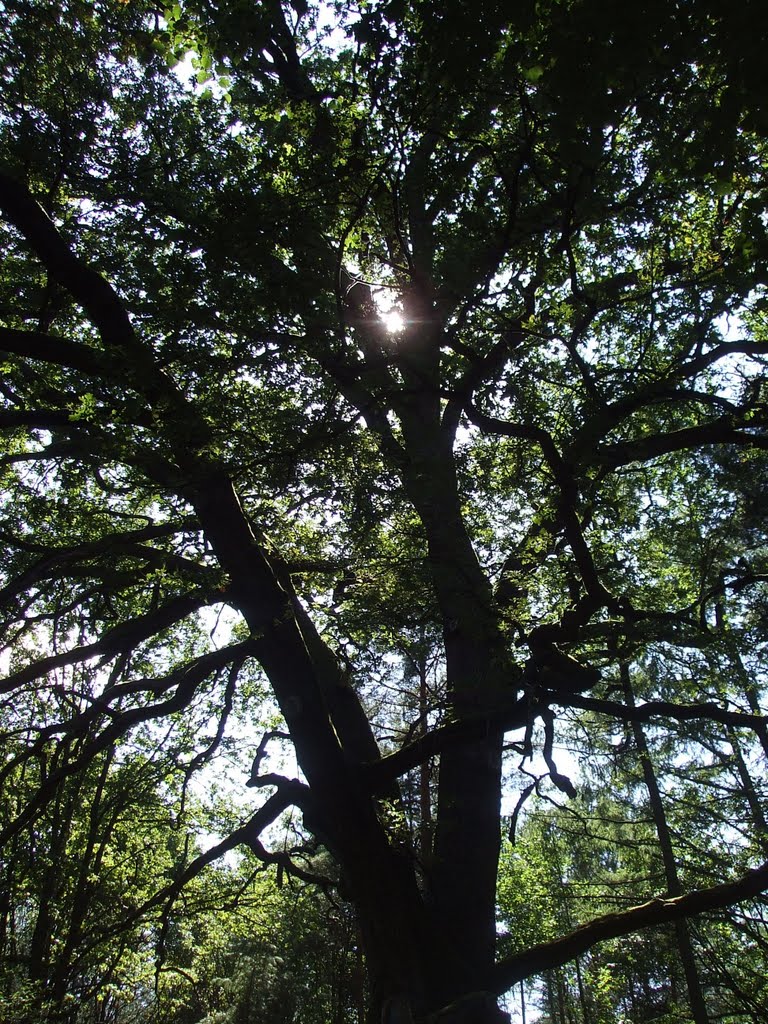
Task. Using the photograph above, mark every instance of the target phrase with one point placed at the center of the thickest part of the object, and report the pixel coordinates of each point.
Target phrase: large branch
(55, 560)
(256, 591)
(664, 709)
(702, 362)
(106, 704)
(104, 308)
(504, 710)
(671, 389)
(61, 351)
(88, 288)
(642, 449)
(661, 709)
(548, 955)
(35, 419)
(120, 638)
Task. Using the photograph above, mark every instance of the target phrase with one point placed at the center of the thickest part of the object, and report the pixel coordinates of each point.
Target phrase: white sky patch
(220, 621)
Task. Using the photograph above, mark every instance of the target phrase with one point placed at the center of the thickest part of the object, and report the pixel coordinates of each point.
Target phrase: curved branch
(510, 712)
(293, 792)
(566, 501)
(105, 703)
(661, 709)
(123, 637)
(129, 356)
(129, 542)
(35, 419)
(189, 678)
(719, 431)
(727, 348)
(547, 955)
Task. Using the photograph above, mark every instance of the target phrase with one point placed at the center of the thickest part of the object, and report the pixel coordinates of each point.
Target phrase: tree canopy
(384, 410)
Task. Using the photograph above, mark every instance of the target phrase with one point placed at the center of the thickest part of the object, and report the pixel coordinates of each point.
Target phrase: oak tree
(428, 342)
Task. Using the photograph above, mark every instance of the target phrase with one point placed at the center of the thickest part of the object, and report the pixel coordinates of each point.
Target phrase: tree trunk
(460, 885)
(756, 809)
(424, 839)
(682, 931)
(586, 1015)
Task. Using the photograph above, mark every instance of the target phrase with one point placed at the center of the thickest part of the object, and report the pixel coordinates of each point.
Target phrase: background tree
(549, 462)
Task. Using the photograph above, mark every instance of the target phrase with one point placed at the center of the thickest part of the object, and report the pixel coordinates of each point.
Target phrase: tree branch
(61, 351)
(56, 560)
(660, 709)
(293, 792)
(125, 636)
(509, 712)
(719, 431)
(655, 912)
(89, 289)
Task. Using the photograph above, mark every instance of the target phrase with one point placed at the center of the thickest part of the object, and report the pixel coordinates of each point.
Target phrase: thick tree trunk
(460, 876)
(418, 960)
(462, 881)
(428, 952)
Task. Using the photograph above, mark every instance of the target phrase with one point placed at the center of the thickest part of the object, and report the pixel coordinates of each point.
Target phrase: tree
(239, 947)
(549, 458)
(96, 849)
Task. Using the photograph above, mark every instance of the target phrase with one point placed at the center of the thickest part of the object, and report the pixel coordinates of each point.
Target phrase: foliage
(251, 535)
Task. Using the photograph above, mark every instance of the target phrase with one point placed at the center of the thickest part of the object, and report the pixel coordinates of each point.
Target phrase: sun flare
(393, 321)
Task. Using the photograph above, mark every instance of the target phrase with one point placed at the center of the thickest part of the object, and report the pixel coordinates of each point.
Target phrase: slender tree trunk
(358, 993)
(562, 997)
(633, 999)
(754, 803)
(682, 932)
(554, 855)
(89, 866)
(586, 1016)
(750, 793)
(424, 841)
(551, 1000)
(752, 696)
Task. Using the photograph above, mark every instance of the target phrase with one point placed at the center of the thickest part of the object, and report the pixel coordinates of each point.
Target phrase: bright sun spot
(393, 321)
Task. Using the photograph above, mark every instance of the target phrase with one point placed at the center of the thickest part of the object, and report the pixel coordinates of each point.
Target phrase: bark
(467, 839)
